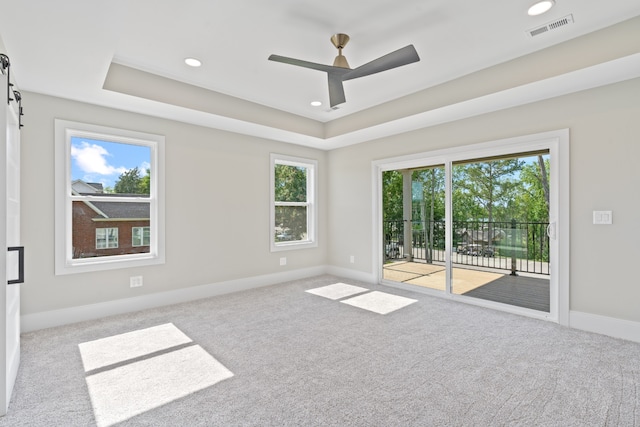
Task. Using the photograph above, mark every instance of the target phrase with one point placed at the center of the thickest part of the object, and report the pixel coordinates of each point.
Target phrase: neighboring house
(480, 242)
(81, 187)
(482, 237)
(108, 228)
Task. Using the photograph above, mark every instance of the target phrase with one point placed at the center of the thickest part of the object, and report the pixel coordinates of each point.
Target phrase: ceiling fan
(340, 70)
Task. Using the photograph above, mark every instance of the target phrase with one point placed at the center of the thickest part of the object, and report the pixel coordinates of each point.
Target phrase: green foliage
(130, 182)
(491, 185)
(290, 183)
(392, 195)
(145, 183)
(532, 203)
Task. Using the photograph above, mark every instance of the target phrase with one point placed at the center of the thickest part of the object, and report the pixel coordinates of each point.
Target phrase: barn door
(11, 266)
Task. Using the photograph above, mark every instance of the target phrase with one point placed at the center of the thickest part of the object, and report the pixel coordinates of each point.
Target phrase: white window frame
(141, 236)
(311, 203)
(106, 238)
(64, 261)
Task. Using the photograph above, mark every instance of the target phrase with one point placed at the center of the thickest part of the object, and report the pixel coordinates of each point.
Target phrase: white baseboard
(611, 326)
(352, 274)
(48, 319)
(617, 328)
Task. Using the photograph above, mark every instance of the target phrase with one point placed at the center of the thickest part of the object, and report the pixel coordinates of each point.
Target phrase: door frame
(557, 142)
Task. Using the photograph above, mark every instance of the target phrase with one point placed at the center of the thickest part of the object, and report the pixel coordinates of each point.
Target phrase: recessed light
(316, 103)
(540, 7)
(192, 62)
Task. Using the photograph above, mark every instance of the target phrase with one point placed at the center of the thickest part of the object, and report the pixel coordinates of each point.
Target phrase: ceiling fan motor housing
(340, 41)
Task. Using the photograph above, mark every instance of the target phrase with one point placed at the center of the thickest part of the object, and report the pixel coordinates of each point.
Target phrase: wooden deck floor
(522, 291)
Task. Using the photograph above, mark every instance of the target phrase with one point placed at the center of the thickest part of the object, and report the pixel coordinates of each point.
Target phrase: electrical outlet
(602, 217)
(135, 281)
(352, 259)
(283, 261)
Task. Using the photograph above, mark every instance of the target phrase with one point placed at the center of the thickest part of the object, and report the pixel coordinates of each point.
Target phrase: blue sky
(102, 161)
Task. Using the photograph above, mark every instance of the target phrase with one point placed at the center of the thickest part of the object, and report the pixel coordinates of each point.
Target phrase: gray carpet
(299, 359)
(521, 291)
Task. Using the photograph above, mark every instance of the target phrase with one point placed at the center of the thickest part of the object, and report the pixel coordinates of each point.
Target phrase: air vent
(551, 26)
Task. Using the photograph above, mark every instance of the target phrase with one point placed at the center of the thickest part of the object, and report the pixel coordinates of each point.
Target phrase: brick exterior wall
(84, 234)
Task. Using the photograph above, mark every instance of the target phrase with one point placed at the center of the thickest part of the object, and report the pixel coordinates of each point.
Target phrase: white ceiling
(65, 48)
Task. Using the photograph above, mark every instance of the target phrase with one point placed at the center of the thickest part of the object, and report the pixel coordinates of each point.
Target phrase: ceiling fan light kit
(340, 71)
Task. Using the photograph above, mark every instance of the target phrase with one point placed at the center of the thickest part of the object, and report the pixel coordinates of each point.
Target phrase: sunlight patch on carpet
(379, 302)
(122, 390)
(337, 291)
(118, 348)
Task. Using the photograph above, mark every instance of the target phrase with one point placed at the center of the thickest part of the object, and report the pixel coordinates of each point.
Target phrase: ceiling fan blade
(398, 58)
(301, 63)
(336, 90)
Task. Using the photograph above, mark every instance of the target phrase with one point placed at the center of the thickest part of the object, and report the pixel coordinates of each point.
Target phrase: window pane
(104, 170)
(110, 224)
(290, 183)
(105, 238)
(291, 223)
(146, 236)
(105, 167)
(136, 236)
(141, 236)
(101, 238)
(500, 217)
(112, 238)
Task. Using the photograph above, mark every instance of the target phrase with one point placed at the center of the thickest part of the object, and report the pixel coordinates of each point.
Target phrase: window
(293, 203)
(106, 238)
(109, 198)
(140, 236)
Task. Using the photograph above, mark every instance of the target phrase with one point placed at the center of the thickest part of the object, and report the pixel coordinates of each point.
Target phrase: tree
(145, 183)
(544, 178)
(130, 182)
(489, 184)
(392, 195)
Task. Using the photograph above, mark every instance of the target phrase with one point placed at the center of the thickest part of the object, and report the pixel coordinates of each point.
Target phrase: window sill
(289, 246)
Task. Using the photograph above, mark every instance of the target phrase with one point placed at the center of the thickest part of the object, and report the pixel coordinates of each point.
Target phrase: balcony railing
(510, 245)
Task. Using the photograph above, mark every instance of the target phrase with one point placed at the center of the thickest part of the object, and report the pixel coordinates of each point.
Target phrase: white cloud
(143, 168)
(91, 159)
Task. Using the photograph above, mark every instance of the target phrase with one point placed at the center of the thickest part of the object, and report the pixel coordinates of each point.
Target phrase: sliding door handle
(20, 250)
(551, 230)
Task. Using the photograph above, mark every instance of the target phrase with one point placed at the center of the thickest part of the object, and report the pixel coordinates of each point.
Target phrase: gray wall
(217, 208)
(605, 127)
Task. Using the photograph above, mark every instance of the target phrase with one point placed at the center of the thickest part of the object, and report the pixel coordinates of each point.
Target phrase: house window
(109, 198)
(140, 236)
(106, 238)
(293, 202)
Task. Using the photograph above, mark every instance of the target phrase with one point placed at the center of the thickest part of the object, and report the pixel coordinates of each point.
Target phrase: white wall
(605, 129)
(217, 209)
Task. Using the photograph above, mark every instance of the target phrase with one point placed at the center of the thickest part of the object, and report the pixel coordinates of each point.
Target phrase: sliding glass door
(479, 225)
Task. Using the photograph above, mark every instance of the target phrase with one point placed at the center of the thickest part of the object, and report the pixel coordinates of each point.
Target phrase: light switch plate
(602, 217)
